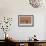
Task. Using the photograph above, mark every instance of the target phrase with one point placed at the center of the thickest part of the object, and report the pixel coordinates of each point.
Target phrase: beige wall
(13, 8)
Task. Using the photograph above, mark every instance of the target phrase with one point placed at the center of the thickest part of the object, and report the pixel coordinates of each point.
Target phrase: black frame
(26, 25)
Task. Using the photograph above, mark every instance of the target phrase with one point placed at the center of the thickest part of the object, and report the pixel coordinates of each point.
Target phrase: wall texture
(13, 8)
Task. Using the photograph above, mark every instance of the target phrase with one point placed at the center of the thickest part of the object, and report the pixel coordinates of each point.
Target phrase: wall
(13, 8)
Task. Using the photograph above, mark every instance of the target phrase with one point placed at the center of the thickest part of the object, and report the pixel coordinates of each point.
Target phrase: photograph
(25, 20)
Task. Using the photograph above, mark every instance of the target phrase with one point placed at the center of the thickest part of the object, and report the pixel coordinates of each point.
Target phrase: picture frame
(25, 20)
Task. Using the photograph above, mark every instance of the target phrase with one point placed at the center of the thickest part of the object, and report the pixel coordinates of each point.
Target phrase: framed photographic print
(25, 20)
